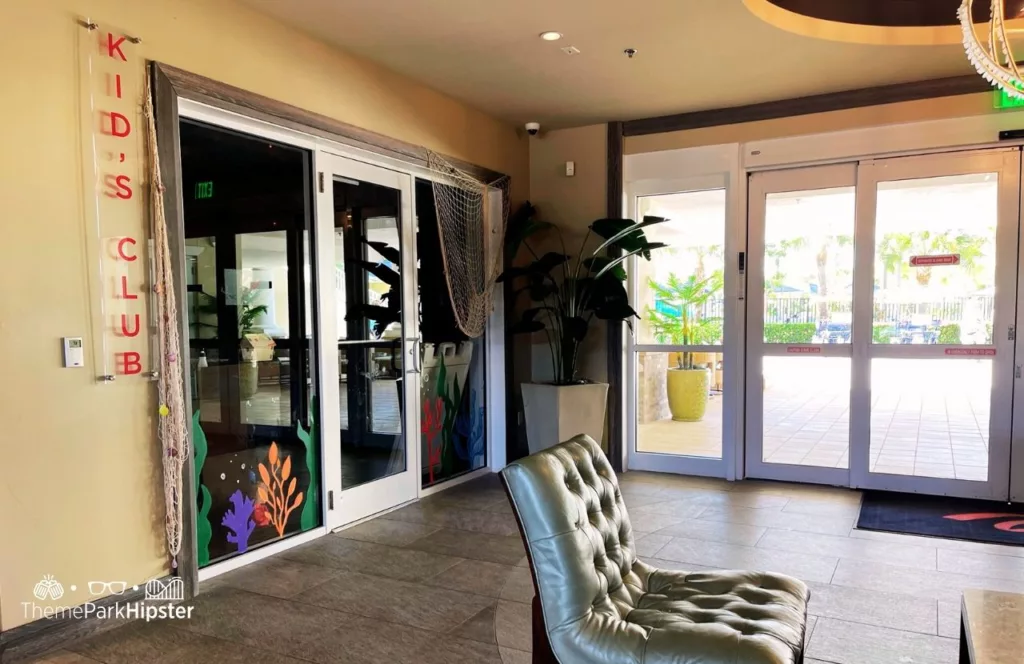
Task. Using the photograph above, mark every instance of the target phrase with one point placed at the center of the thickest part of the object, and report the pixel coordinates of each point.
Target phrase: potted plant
(248, 313)
(567, 294)
(680, 323)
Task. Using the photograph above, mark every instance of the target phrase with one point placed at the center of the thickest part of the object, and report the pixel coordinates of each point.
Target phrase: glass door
(934, 323)
(682, 398)
(800, 323)
(253, 362)
(367, 271)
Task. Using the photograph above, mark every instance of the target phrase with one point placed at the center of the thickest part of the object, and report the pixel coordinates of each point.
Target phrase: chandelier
(988, 55)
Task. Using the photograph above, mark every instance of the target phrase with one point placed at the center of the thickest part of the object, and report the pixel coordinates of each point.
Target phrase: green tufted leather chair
(597, 603)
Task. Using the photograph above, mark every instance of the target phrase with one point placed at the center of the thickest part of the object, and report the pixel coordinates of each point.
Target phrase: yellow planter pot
(688, 394)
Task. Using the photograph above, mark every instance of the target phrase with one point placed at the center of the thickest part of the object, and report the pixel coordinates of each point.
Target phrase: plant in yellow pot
(680, 320)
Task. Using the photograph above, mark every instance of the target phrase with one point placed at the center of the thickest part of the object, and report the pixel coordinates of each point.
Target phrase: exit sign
(204, 190)
(1004, 100)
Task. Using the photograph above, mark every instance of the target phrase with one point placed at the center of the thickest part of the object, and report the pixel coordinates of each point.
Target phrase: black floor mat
(937, 516)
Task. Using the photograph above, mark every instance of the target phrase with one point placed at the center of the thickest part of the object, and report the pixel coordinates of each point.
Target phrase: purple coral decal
(237, 520)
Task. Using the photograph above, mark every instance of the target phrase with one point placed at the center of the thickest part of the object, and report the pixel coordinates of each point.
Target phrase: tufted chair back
(581, 550)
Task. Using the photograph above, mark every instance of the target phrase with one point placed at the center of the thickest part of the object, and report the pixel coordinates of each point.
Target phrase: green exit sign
(204, 190)
(1004, 100)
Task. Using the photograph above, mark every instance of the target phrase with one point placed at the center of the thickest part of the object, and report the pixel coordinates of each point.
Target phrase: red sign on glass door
(971, 351)
(936, 259)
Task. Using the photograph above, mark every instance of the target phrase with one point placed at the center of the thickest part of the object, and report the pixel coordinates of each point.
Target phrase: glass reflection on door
(368, 290)
(249, 310)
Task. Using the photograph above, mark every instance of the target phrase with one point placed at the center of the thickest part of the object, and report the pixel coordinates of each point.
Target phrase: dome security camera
(532, 128)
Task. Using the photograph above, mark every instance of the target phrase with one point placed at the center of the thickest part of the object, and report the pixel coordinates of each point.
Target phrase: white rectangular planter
(556, 413)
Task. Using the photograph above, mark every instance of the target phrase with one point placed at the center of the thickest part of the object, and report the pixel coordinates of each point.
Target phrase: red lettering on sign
(115, 47)
(124, 326)
(971, 351)
(935, 259)
(115, 129)
(131, 363)
(124, 290)
(117, 85)
(117, 186)
(120, 249)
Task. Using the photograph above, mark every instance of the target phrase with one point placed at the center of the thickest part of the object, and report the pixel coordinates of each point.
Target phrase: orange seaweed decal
(274, 493)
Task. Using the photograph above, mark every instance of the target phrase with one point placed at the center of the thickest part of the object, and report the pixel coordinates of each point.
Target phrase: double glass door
(881, 316)
(858, 328)
(369, 348)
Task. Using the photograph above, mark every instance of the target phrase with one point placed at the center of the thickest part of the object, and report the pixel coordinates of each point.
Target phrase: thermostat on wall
(74, 354)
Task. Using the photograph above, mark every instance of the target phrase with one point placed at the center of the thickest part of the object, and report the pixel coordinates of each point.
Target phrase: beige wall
(80, 494)
(572, 203)
(855, 118)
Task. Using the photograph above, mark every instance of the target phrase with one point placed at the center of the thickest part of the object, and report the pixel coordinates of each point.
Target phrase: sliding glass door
(800, 324)
(881, 323)
(936, 268)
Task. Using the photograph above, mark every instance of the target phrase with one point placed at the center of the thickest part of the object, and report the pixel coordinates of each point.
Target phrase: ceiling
(692, 54)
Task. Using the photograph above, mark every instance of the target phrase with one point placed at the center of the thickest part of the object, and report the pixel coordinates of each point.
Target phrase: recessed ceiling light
(551, 35)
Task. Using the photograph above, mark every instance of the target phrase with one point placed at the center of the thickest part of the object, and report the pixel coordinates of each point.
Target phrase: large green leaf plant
(568, 293)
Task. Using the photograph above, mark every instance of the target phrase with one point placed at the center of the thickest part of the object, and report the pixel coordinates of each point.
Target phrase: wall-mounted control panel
(74, 352)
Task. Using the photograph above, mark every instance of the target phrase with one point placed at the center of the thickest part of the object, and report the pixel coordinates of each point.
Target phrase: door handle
(414, 351)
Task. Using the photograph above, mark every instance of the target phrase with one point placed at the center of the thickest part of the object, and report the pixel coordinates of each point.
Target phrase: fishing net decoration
(471, 218)
(172, 423)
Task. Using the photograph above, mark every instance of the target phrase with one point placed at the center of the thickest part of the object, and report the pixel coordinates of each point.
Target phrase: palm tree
(702, 253)
(778, 253)
(892, 252)
(688, 327)
(821, 259)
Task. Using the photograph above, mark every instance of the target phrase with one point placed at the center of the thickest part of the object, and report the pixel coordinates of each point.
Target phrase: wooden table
(991, 627)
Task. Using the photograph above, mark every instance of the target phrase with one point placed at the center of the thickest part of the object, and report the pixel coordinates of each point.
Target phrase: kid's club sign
(111, 74)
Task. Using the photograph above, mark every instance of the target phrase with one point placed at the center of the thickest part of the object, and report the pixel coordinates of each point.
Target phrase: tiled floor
(703, 439)
(445, 581)
(929, 418)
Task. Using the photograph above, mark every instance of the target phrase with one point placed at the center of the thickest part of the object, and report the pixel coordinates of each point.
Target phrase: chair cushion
(756, 617)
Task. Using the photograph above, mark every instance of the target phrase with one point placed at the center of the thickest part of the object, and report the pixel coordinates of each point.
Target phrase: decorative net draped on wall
(471, 217)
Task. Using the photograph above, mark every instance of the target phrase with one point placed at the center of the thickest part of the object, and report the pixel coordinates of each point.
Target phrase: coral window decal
(276, 491)
(433, 421)
(204, 530)
(238, 519)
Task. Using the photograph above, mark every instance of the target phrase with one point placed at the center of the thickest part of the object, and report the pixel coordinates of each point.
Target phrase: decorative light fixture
(988, 55)
(551, 35)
